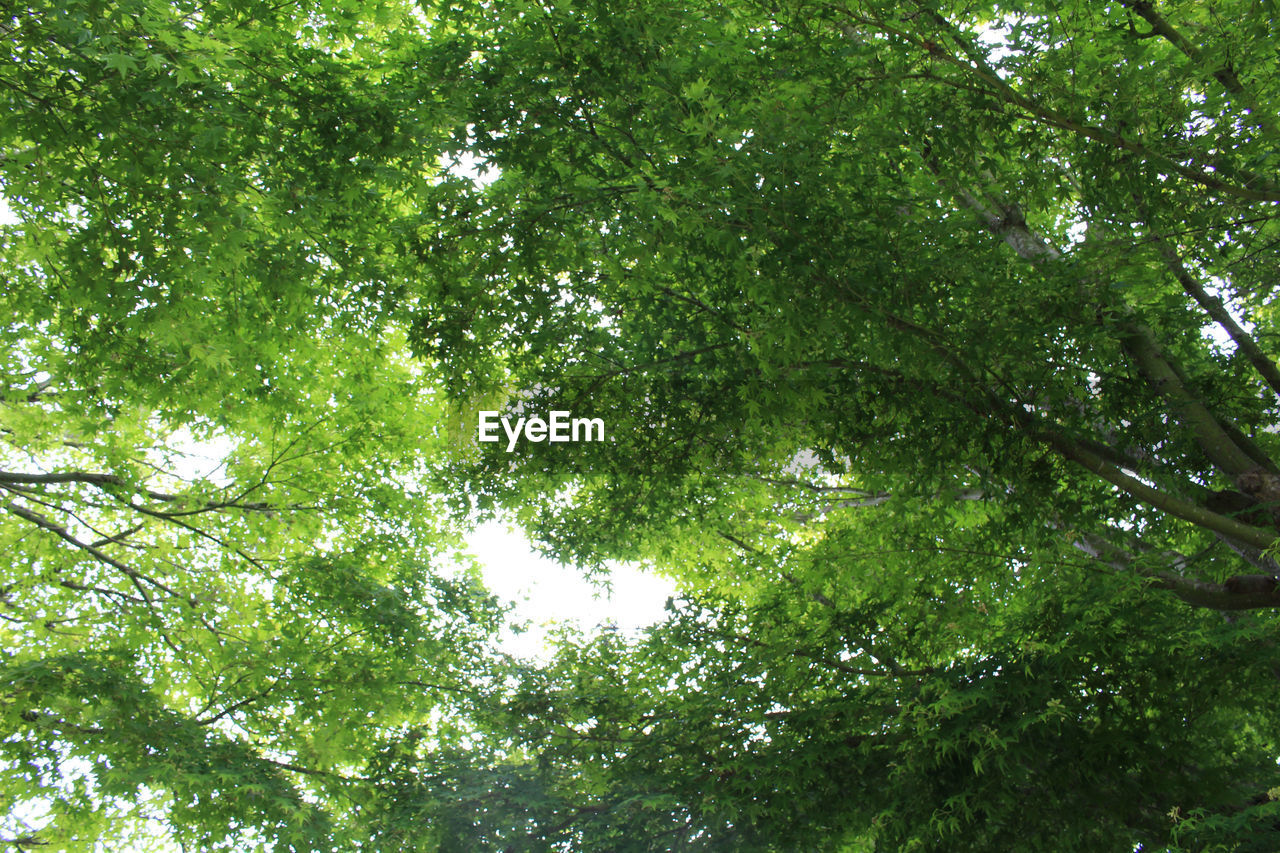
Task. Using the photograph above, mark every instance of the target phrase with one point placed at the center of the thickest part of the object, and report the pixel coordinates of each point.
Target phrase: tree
(794, 725)
(957, 314)
(852, 233)
(226, 593)
(935, 345)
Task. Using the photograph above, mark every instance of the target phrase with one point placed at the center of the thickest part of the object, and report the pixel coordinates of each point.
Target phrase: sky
(547, 593)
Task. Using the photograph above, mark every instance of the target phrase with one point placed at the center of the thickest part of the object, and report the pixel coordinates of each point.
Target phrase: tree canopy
(936, 346)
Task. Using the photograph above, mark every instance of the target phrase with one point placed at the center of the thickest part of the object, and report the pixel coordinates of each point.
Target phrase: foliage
(767, 729)
(935, 345)
(227, 588)
(960, 315)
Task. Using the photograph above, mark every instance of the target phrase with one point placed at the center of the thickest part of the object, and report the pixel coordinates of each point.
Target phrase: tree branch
(1177, 507)
(1252, 187)
(1225, 75)
(1214, 308)
(1216, 443)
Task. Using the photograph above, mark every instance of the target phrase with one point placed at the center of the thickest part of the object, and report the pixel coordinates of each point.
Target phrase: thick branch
(1214, 308)
(1221, 445)
(1252, 187)
(16, 478)
(1010, 225)
(1242, 592)
(1216, 443)
(61, 477)
(1225, 75)
(1177, 507)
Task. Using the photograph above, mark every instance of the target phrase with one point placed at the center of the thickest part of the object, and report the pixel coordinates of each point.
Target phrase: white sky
(547, 593)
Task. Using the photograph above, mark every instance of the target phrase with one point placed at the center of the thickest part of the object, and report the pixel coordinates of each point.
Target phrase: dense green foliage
(219, 597)
(935, 345)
